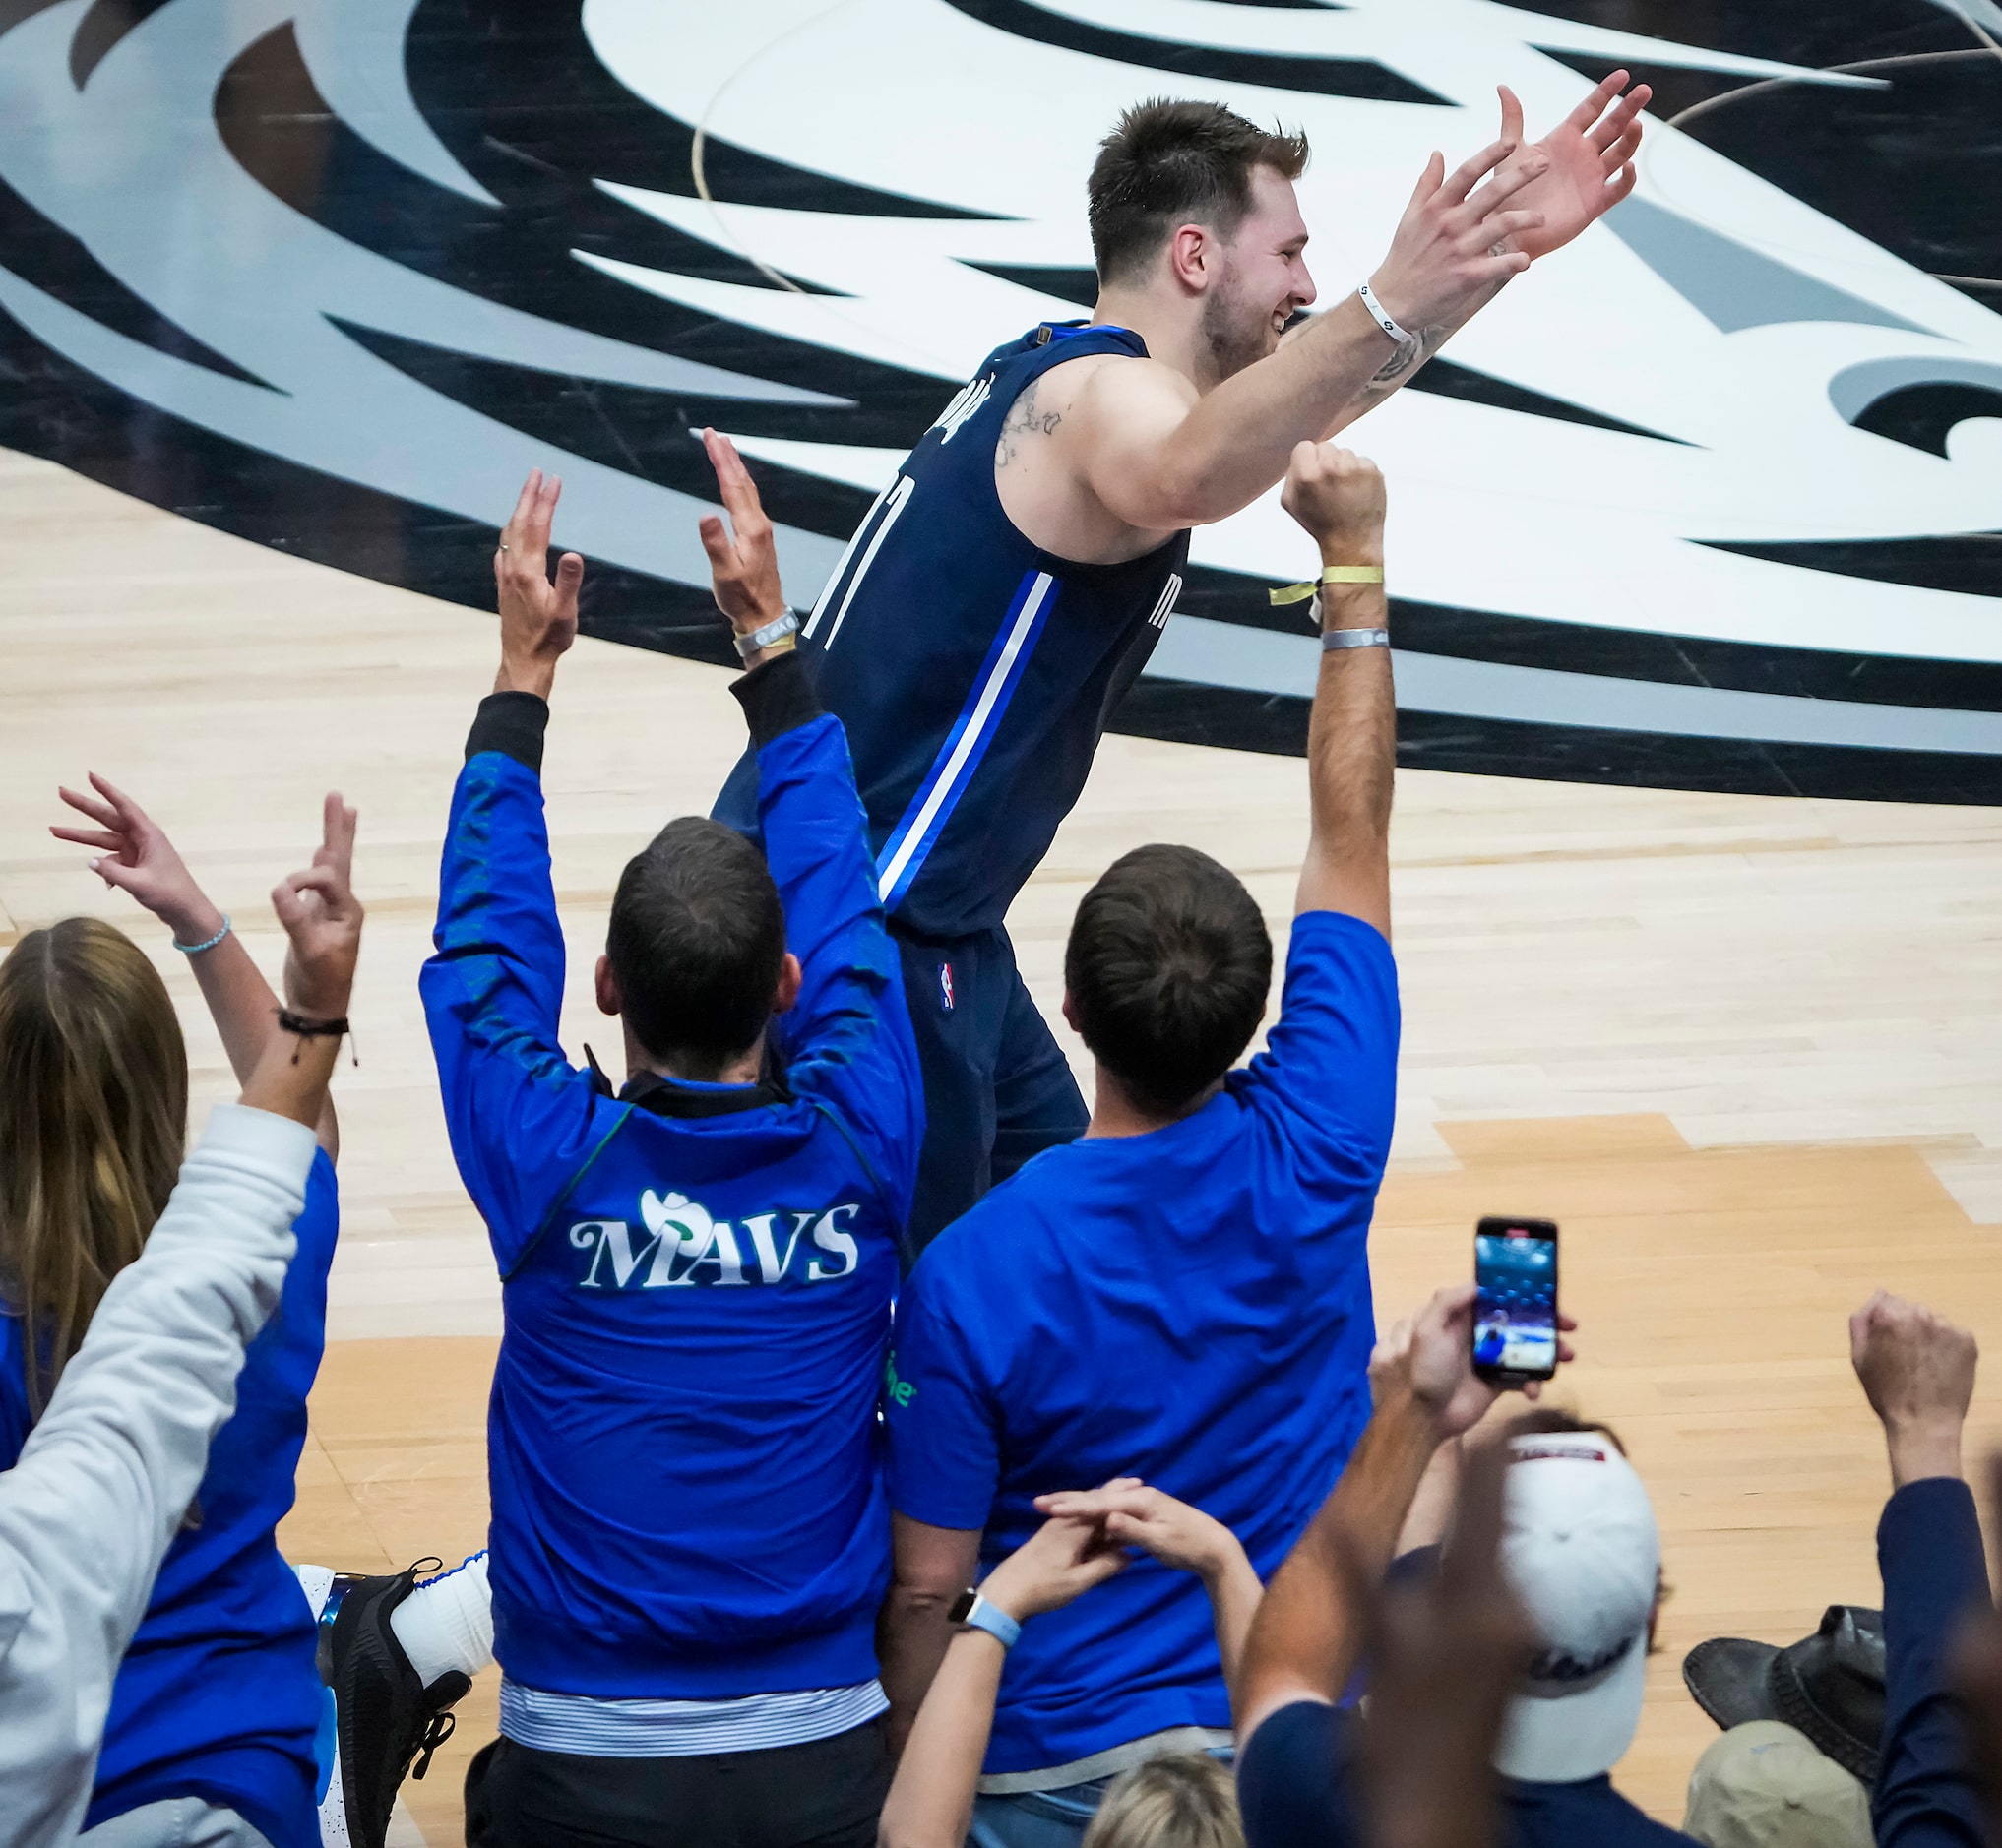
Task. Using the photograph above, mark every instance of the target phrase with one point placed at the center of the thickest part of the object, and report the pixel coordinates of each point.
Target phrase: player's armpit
(1121, 443)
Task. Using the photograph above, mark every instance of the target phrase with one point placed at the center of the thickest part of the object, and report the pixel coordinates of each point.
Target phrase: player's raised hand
(1452, 247)
(1586, 163)
(539, 619)
(743, 559)
(1339, 497)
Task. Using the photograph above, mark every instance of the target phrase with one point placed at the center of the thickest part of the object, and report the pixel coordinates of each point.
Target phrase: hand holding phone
(1515, 1308)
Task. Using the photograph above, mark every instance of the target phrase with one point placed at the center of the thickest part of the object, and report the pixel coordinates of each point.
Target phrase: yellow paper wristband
(1330, 574)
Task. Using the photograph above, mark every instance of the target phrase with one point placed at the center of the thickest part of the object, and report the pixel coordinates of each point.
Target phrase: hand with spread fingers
(1583, 168)
(136, 856)
(1452, 247)
(743, 559)
(538, 618)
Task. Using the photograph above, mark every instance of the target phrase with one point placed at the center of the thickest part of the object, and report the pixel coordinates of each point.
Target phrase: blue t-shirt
(218, 1696)
(1190, 1305)
(1297, 1787)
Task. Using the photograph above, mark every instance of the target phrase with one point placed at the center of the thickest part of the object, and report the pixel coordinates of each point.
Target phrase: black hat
(1828, 1686)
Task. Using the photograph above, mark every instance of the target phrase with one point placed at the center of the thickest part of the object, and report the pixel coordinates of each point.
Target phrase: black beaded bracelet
(306, 1027)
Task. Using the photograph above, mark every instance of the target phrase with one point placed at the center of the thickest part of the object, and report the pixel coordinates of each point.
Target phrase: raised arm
(136, 856)
(1917, 1371)
(847, 1037)
(493, 993)
(1307, 1635)
(1162, 457)
(1352, 731)
(105, 1476)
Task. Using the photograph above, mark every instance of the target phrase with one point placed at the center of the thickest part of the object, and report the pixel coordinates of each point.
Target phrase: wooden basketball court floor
(1744, 1049)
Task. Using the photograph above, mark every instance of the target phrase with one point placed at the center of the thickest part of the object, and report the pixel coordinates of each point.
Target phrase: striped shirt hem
(673, 1729)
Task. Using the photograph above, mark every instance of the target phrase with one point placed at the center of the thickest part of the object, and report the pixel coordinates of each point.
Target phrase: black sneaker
(387, 1724)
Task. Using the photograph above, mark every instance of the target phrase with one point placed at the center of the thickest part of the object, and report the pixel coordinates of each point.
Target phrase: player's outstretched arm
(1569, 180)
(1160, 457)
(1352, 732)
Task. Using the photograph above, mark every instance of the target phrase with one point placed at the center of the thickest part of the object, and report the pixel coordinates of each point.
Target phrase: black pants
(824, 1795)
(997, 1086)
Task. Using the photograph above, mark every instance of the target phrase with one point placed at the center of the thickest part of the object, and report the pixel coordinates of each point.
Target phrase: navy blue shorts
(997, 1086)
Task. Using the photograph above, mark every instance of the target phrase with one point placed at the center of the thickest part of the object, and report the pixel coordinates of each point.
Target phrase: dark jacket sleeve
(848, 1041)
(1930, 1551)
(523, 1121)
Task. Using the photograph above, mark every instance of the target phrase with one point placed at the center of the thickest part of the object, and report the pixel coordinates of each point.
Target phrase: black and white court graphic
(1711, 500)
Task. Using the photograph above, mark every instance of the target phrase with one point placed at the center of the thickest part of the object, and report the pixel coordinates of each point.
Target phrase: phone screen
(1515, 1311)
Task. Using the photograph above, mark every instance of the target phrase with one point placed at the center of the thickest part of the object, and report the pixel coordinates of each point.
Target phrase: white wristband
(1383, 318)
(1333, 640)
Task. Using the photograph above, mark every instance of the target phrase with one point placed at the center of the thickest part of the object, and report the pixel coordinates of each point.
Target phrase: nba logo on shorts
(945, 986)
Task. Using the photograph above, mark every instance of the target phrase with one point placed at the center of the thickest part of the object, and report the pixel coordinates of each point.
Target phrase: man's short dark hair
(696, 940)
(1173, 163)
(1168, 966)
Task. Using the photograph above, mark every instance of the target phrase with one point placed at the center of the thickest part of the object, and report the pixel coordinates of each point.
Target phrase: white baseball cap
(1581, 1549)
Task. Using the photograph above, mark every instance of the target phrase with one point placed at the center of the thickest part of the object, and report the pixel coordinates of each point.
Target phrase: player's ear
(607, 986)
(1071, 1015)
(1192, 258)
(786, 997)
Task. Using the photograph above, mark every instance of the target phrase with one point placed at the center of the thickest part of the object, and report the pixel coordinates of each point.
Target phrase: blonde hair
(93, 1108)
(1184, 1800)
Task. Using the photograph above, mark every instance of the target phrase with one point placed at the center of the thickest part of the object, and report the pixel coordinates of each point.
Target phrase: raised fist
(1339, 497)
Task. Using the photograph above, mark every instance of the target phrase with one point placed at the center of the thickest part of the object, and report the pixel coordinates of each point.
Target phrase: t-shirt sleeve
(1294, 1787)
(1330, 1064)
(945, 1439)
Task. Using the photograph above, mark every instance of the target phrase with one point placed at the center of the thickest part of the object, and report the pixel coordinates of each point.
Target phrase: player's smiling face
(1264, 281)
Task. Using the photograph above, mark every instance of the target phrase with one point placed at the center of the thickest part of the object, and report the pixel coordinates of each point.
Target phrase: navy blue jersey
(682, 1441)
(974, 671)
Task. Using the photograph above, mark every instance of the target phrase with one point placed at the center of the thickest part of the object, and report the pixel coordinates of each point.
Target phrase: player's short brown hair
(1172, 163)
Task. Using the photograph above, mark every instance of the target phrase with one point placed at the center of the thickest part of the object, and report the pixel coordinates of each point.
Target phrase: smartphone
(1515, 1308)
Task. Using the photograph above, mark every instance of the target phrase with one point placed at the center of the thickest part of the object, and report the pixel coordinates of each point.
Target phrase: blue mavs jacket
(684, 1454)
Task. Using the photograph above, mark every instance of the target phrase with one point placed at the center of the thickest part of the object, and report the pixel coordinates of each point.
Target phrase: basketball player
(1011, 581)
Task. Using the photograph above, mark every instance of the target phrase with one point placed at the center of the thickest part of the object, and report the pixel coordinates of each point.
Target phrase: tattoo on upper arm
(1024, 419)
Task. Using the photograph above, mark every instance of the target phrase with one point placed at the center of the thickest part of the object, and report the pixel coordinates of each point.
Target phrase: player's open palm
(136, 855)
(322, 919)
(1587, 164)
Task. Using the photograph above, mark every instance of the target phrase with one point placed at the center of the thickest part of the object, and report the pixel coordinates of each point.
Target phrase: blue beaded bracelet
(195, 950)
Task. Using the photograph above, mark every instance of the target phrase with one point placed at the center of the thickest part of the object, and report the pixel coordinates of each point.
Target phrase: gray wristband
(1333, 639)
(776, 630)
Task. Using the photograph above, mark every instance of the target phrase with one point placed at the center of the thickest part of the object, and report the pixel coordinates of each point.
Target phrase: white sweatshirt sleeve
(105, 1479)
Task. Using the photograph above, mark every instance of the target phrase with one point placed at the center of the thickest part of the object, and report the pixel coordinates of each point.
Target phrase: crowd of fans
(884, 1445)
(1106, 1518)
